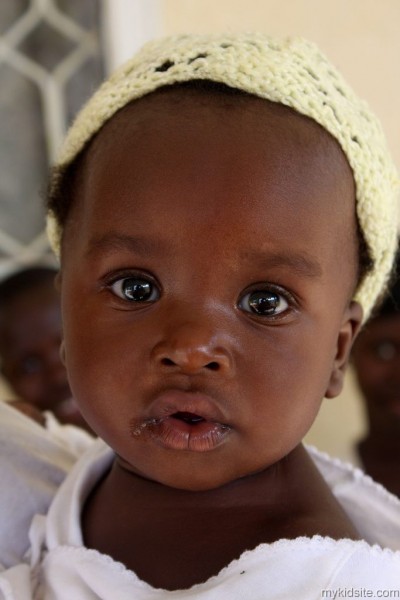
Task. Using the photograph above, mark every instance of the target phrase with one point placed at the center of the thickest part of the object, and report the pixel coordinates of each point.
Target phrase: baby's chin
(192, 479)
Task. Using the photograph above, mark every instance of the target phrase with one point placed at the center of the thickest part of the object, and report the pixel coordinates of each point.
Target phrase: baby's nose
(190, 349)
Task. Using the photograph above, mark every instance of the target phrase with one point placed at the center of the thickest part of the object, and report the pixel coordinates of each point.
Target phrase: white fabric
(76, 439)
(373, 510)
(33, 463)
(62, 569)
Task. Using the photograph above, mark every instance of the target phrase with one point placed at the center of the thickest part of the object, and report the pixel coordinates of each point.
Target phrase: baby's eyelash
(134, 287)
(109, 278)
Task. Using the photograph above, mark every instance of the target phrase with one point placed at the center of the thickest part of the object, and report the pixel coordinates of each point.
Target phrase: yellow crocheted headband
(291, 72)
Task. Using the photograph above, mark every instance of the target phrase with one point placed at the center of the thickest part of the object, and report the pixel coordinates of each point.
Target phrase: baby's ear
(352, 320)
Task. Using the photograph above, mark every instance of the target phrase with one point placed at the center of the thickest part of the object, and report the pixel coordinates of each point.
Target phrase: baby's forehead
(191, 119)
(161, 144)
(197, 101)
(194, 99)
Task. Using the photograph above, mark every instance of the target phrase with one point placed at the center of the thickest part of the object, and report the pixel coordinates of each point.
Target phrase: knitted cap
(292, 72)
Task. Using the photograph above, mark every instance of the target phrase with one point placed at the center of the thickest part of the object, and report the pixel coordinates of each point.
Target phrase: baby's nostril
(167, 362)
(213, 366)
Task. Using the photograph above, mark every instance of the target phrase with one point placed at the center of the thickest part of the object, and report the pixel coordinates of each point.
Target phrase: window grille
(50, 62)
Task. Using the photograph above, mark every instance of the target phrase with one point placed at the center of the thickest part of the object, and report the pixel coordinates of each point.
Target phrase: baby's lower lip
(176, 433)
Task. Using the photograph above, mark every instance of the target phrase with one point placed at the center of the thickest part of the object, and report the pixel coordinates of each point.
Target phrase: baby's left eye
(265, 303)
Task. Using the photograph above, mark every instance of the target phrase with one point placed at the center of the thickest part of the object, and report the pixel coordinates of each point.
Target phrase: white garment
(76, 439)
(353, 457)
(300, 569)
(33, 463)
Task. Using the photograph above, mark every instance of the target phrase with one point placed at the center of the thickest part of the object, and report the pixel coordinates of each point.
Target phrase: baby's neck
(174, 538)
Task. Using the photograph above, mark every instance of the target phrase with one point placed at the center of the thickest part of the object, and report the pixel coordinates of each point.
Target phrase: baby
(30, 337)
(224, 209)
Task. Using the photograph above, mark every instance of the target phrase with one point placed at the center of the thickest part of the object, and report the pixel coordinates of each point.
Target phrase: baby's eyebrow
(113, 242)
(301, 262)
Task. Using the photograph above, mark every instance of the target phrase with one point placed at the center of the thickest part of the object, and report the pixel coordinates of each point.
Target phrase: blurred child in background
(33, 460)
(30, 339)
(376, 359)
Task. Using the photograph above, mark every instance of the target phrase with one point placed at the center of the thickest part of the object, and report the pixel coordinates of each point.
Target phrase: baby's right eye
(135, 289)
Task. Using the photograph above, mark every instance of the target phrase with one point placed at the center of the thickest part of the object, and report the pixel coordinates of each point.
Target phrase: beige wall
(362, 38)
(340, 422)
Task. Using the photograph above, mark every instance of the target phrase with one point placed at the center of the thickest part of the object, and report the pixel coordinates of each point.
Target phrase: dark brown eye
(265, 303)
(135, 289)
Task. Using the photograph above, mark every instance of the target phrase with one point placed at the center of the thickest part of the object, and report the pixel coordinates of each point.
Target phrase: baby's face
(208, 265)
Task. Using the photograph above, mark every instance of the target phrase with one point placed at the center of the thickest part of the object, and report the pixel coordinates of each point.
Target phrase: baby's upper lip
(174, 401)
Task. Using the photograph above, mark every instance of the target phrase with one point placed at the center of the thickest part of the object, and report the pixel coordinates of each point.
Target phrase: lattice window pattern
(50, 62)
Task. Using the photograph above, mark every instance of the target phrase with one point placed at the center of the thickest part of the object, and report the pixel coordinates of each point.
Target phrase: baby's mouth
(176, 426)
